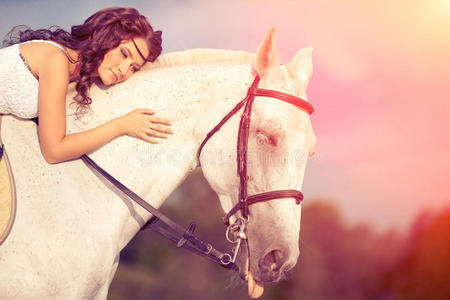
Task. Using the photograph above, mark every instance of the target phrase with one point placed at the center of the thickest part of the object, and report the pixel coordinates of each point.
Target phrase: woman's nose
(120, 74)
(123, 70)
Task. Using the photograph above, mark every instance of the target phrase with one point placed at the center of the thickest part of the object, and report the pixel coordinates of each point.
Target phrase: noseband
(242, 146)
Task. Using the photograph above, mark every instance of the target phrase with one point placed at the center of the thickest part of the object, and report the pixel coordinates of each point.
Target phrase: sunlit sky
(380, 86)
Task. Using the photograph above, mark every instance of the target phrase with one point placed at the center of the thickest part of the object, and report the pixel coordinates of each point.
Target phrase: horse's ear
(266, 56)
(302, 65)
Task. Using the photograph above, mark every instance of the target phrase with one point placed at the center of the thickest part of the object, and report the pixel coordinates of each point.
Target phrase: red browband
(300, 103)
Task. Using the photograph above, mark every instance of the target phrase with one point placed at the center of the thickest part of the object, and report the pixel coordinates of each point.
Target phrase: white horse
(70, 226)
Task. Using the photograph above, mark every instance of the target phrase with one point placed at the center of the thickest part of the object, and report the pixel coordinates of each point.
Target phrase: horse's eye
(262, 140)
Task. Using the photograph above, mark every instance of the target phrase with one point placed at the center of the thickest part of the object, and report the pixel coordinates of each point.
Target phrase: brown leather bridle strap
(242, 145)
(224, 120)
(265, 197)
(218, 126)
(169, 229)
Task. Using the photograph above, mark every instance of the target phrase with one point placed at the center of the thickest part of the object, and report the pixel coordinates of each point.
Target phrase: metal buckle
(189, 231)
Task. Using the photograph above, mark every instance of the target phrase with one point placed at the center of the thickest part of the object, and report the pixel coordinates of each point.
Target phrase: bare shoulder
(41, 55)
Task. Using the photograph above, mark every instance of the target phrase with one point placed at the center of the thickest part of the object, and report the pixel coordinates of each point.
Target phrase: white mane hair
(199, 57)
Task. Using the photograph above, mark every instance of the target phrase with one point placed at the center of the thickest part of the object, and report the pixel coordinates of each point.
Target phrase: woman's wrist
(119, 126)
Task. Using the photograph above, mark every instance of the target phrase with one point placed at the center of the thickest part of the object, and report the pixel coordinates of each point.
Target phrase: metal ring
(225, 262)
(227, 235)
(243, 220)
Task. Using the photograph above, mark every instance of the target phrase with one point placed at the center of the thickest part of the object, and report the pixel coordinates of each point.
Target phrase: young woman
(37, 66)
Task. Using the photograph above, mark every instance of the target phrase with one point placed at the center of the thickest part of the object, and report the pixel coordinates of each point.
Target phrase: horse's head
(280, 141)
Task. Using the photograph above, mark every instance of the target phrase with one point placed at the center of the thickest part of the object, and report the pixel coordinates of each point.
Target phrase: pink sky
(380, 86)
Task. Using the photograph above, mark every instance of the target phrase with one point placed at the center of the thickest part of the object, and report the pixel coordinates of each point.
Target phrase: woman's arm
(55, 144)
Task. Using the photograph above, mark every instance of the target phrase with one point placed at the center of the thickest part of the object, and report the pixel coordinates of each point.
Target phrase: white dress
(18, 86)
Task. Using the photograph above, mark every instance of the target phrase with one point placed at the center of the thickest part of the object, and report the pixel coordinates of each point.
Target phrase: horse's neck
(180, 93)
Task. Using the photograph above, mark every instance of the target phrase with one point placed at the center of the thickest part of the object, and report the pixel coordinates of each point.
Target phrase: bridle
(235, 231)
(242, 146)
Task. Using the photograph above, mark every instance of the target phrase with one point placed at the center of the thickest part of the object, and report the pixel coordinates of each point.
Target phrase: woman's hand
(143, 123)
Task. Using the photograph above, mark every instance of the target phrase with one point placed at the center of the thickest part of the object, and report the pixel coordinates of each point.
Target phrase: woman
(37, 66)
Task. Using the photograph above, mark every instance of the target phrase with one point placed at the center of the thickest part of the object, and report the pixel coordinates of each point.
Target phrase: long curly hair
(101, 32)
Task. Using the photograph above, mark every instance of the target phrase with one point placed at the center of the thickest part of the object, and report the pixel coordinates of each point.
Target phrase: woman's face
(121, 62)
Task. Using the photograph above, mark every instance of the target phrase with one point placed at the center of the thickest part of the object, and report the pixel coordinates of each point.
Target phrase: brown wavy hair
(101, 32)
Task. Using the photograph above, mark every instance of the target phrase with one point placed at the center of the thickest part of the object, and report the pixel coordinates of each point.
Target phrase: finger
(157, 127)
(146, 138)
(161, 128)
(146, 111)
(155, 119)
(155, 133)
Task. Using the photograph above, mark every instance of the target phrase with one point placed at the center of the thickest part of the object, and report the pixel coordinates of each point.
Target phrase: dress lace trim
(26, 65)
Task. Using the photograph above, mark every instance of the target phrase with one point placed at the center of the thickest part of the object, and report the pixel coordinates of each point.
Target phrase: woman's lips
(114, 75)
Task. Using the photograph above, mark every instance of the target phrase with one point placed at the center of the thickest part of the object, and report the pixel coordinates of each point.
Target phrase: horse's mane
(201, 56)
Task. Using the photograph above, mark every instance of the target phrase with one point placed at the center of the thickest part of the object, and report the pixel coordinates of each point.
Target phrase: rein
(170, 229)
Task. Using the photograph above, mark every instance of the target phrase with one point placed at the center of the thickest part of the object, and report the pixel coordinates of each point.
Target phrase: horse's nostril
(272, 261)
(271, 265)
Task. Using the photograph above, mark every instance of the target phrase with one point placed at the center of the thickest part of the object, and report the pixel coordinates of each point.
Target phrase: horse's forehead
(277, 114)
(284, 80)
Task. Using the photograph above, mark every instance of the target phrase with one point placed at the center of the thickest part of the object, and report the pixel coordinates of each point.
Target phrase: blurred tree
(424, 271)
(338, 261)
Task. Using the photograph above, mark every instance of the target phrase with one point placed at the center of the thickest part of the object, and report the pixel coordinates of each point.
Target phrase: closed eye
(134, 68)
(264, 139)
